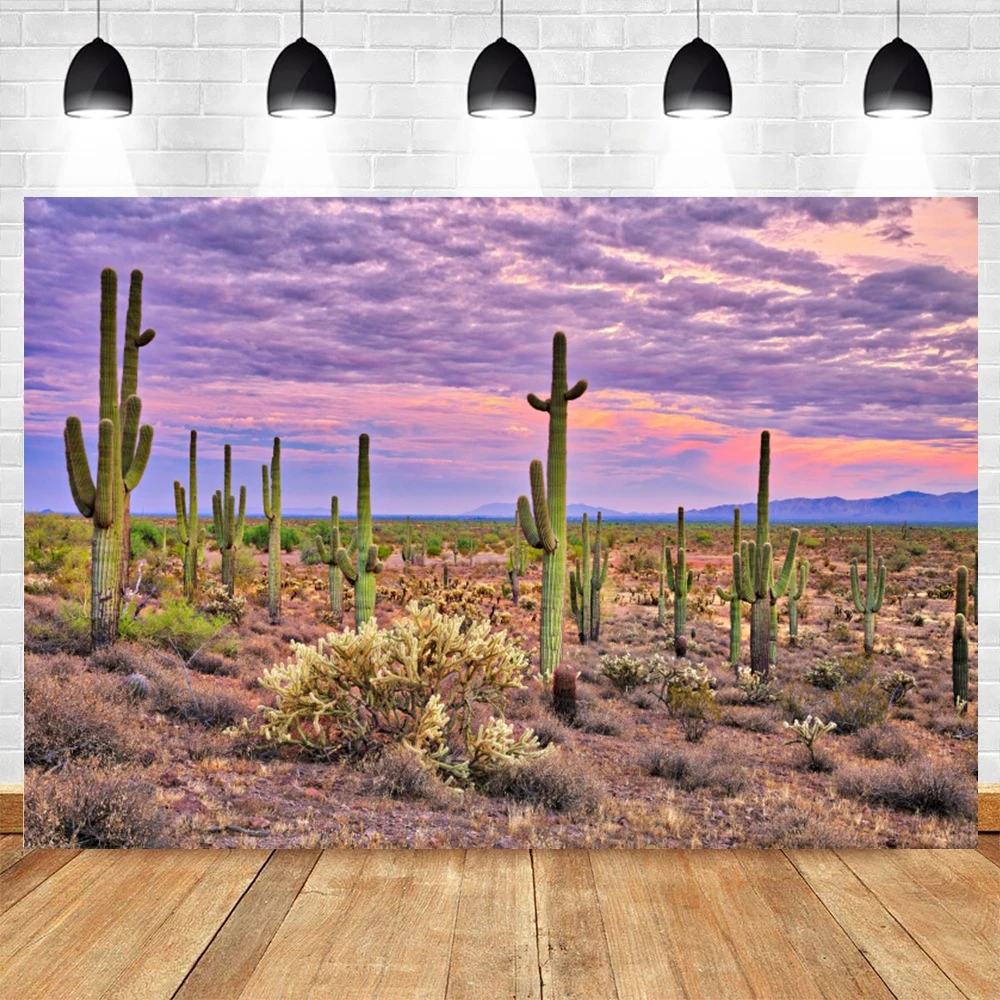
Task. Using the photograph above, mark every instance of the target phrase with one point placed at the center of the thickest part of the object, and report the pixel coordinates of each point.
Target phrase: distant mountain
(910, 506)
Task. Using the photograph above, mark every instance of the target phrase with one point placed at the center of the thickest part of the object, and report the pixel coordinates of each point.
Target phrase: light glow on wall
(895, 162)
(95, 162)
(499, 160)
(694, 161)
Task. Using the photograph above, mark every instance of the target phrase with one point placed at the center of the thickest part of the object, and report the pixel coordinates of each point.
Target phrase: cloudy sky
(846, 326)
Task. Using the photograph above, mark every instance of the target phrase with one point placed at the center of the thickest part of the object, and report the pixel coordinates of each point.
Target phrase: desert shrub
(213, 664)
(145, 536)
(857, 706)
(897, 560)
(625, 671)
(811, 542)
(755, 688)
(695, 710)
(176, 625)
(217, 603)
(213, 708)
(826, 674)
(246, 567)
(597, 719)
(86, 807)
(919, 787)
(693, 769)
(79, 718)
(897, 685)
(62, 629)
(644, 700)
(548, 731)
(916, 549)
(753, 720)
(883, 743)
(399, 773)
(434, 547)
(551, 782)
(118, 659)
(419, 681)
(703, 537)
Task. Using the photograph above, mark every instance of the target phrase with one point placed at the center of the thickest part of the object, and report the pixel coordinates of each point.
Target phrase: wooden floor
(218, 925)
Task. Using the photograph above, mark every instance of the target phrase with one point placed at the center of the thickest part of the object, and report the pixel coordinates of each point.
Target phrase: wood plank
(227, 964)
(11, 808)
(405, 900)
(495, 950)
(989, 808)
(121, 925)
(29, 873)
(899, 961)
(836, 967)
(989, 846)
(575, 962)
(165, 955)
(12, 849)
(949, 905)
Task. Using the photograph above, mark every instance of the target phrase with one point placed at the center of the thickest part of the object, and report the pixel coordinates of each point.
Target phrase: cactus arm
(132, 413)
(880, 586)
(539, 404)
(81, 482)
(527, 522)
(779, 587)
(540, 506)
(690, 580)
(141, 458)
(573, 585)
(324, 554)
(104, 505)
(803, 579)
(669, 567)
(372, 565)
(266, 489)
(741, 576)
(856, 587)
(577, 391)
(241, 518)
(179, 503)
(726, 595)
(217, 517)
(346, 566)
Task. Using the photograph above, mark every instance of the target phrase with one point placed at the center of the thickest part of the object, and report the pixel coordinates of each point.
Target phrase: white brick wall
(199, 68)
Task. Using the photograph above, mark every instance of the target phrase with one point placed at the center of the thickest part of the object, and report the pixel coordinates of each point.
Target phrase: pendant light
(697, 83)
(301, 82)
(898, 84)
(98, 84)
(501, 84)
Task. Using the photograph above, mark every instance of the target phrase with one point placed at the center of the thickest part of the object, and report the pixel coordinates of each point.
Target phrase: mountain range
(910, 506)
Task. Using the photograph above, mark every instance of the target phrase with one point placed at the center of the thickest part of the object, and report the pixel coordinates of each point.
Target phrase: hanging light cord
(302, 18)
(98, 18)
(698, 17)
(897, 18)
(501, 18)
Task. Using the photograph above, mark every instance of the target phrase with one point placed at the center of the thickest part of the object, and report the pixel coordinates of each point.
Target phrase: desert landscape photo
(612, 522)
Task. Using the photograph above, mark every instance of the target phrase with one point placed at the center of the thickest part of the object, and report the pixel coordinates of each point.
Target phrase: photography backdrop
(199, 128)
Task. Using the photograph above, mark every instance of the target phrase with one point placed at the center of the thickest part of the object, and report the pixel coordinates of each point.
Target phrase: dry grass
(550, 782)
(883, 743)
(691, 769)
(920, 787)
(399, 774)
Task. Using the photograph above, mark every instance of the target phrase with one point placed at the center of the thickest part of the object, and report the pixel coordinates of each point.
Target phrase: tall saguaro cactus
(329, 556)
(598, 577)
(871, 603)
(753, 567)
(679, 580)
(962, 592)
(796, 591)
(579, 586)
(229, 524)
(119, 434)
(187, 518)
(517, 563)
(271, 488)
(661, 602)
(543, 521)
(960, 659)
(732, 596)
(361, 576)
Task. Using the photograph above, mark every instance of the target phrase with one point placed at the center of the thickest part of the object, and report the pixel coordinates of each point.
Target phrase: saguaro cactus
(187, 518)
(960, 659)
(362, 575)
(732, 596)
(229, 524)
(271, 488)
(118, 433)
(329, 556)
(517, 564)
(661, 602)
(579, 586)
(598, 576)
(544, 519)
(753, 567)
(962, 592)
(874, 589)
(796, 591)
(679, 580)
(409, 551)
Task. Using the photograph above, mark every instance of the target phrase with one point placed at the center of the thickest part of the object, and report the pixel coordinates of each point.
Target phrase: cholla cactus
(123, 448)
(362, 575)
(229, 524)
(494, 746)
(874, 589)
(732, 597)
(753, 567)
(543, 520)
(897, 685)
(188, 528)
(271, 489)
(808, 732)
(329, 556)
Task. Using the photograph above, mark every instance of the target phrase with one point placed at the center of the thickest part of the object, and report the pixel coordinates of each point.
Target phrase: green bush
(898, 560)
(256, 535)
(176, 625)
(145, 536)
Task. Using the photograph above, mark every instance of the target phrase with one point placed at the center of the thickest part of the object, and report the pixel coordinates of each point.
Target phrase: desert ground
(174, 764)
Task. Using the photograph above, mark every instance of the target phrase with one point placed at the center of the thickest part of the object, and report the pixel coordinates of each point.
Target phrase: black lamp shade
(697, 83)
(301, 83)
(98, 84)
(501, 84)
(898, 84)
